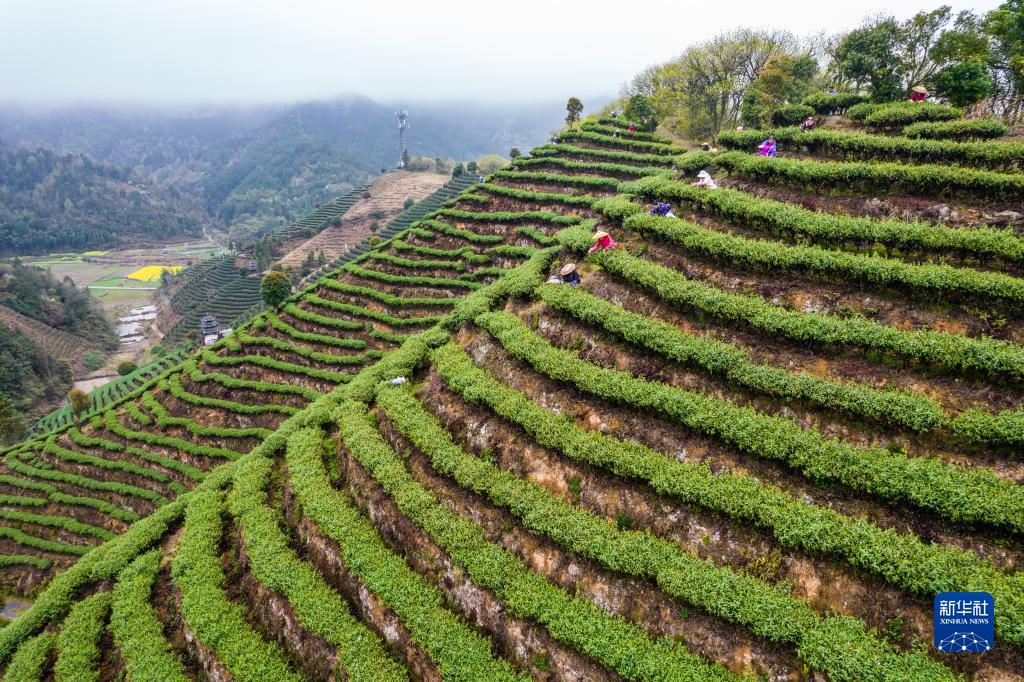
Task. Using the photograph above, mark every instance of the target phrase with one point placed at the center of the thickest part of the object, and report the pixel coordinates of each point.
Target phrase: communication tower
(403, 126)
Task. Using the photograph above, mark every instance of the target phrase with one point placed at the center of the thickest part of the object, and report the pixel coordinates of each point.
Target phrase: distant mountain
(256, 168)
(59, 202)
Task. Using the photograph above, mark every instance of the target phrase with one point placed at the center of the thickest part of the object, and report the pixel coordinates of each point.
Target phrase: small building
(208, 325)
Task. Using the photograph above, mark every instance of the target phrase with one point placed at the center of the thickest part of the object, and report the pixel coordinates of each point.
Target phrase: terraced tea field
(387, 196)
(59, 344)
(754, 442)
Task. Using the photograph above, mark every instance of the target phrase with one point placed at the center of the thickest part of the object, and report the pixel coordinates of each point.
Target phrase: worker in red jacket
(602, 241)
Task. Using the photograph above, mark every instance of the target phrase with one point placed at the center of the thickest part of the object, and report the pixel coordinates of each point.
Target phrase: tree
(868, 57)
(12, 425)
(918, 39)
(79, 401)
(1005, 25)
(574, 107)
(472, 167)
(700, 92)
(127, 367)
(406, 159)
(458, 170)
(785, 80)
(408, 203)
(963, 84)
(275, 288)
(321, 259)
(640, 111)
(515, 153)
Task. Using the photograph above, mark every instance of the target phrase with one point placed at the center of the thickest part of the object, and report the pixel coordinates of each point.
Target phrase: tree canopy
(275, 288)
(761, 77)
(573, 108)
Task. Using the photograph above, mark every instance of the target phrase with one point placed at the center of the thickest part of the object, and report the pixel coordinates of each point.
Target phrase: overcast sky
(285, 50)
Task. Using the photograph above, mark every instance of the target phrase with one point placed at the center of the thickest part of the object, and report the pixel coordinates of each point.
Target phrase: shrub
(460, 652)
(127, 367)
(214, 619)
(138, 632)
(952, 352)
(932, 180)
(631, 144)
(80, 655)
(93, 360)
(30, 660)
(361, 654)
(792, 114)
(959, 494)
(831, 104)
(716, 357)
(900, 558)
(858, 112)
(795, 222)
(1004, 156)
(979, 128)
(661, 157)
(752, 602)
(79, 401)
(903, 113)
(574, 620)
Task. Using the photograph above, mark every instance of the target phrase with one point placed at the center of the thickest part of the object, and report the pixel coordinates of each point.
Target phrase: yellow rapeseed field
(151, 273)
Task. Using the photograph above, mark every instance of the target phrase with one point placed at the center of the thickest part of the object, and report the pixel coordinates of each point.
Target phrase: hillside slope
(64, 202)
(58, 344)
(387, 196)
(747, 444)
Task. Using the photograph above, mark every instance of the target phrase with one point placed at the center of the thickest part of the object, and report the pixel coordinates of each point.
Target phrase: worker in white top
(704, 180)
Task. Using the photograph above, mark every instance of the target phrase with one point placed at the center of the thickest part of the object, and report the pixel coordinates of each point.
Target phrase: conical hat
(566, 269)
(920, 89)
(599, 234)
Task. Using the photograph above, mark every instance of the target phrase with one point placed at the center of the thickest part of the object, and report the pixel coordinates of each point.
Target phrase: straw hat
(703, 174)
(920, 89)
(566, 269)
(600, 234)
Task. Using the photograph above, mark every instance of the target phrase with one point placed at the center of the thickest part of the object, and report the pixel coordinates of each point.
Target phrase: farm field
(754, 442)
(153, 273)
(109, 274)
